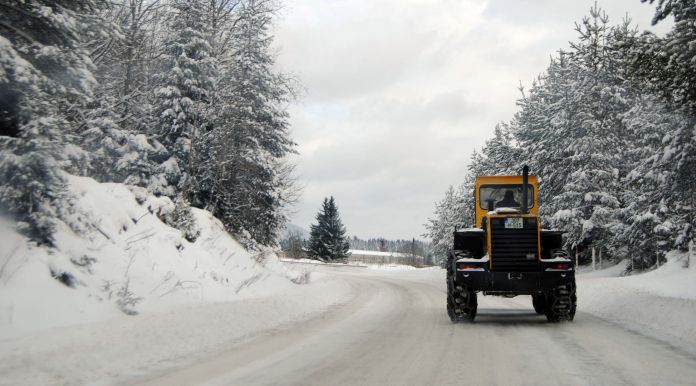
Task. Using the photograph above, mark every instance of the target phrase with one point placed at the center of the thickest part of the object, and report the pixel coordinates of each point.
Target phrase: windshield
(504, 196)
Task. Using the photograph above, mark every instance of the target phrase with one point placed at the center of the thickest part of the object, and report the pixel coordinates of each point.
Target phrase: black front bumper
(513, 283)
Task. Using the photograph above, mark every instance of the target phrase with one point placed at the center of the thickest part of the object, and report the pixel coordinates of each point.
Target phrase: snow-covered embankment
(659, 304)
(126, 260)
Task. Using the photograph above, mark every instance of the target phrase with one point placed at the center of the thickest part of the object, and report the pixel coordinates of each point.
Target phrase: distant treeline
(417, 247)
(293, 244)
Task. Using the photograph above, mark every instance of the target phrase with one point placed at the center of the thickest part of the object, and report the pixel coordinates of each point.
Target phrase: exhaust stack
(525, 188)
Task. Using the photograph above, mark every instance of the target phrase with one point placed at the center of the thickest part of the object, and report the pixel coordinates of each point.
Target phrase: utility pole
(413, 251)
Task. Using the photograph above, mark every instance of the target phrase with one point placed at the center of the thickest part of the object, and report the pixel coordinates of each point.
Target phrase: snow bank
(659, 304)
(607, 271)
(670, 280)
(125, 261)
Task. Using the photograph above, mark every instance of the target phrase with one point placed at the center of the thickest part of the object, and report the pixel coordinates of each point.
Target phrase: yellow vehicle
(507, 253)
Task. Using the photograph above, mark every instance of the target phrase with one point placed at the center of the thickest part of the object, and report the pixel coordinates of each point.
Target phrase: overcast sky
(400, 92)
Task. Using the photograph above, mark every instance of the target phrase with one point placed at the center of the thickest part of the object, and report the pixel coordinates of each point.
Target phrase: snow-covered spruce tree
(499, 156)
(327, 240)
(450, 214)
(182, 95)
(44, 72)
(245, 180)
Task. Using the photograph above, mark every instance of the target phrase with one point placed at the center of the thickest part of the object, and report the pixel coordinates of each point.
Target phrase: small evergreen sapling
(181, 218)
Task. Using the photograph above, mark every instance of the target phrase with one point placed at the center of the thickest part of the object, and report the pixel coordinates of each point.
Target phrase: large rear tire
(461, 301)
(561, 303)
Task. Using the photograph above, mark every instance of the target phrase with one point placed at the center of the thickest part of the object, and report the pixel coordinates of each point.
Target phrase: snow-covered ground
(124, 347)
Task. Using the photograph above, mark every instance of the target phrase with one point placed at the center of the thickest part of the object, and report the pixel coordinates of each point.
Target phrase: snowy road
(396, 331)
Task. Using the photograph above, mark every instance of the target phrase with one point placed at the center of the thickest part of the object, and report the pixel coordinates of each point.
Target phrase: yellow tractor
(506, 253)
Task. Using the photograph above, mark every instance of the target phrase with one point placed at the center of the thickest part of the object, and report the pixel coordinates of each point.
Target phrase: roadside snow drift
(660, 304)
(125, 260)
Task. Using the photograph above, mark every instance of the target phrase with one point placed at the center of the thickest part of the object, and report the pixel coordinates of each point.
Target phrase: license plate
(514, 223)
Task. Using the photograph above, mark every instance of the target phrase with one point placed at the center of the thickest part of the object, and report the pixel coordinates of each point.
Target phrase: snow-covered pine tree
(450, 214)
(499, 156)
(589, 201)
(645, 231)
(182, 95)
(44, 70)
(250, 183)
(328, 236)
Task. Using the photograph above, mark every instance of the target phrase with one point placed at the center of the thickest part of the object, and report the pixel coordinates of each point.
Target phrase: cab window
(492, 197)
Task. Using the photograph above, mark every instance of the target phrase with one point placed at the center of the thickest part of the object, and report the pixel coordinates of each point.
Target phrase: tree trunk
(593, 259)
(576, 256)
(130, 54)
